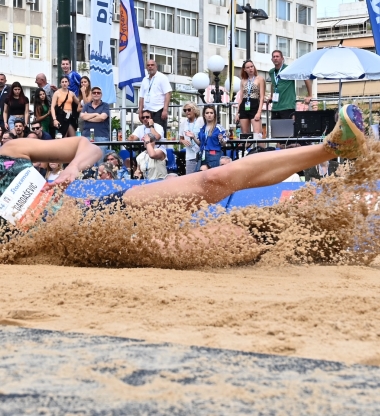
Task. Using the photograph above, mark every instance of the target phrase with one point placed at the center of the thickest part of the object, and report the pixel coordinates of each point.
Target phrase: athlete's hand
(65, 177)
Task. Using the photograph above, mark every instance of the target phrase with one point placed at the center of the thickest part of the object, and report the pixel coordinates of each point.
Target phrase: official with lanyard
(4, 92)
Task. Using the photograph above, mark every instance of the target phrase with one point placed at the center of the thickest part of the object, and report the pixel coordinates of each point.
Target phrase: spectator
(73, 77)
(4, 93)
(171, 176)
(42, 111)
(62, 109)
(96, 116)
(19, 129)
(155, 95)
(106, 171)
(121, 171)
(53, 170)
(40, 168)
(321, 171)
(16, 105)
(187, 130)
(36, 128)
(85, 97)
(284, 91)
(252, 91)
(1, 132)
(151, 164)
(32, 135)
(211, 138)
(148, 126)
(7, 136)
(224, 160)
(41, 82)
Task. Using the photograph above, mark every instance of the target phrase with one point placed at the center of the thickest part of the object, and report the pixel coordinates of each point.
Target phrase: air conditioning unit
(116, 17)
(149, 23)
(167, 69)
(30, 1)
(54, 61)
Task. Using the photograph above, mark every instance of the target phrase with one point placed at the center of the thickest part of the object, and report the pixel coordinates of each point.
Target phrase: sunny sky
(330, 8)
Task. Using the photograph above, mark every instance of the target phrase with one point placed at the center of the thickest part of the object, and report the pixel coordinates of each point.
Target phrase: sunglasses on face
(187, 110)
(35, 128)
(145, 117)
(96, 92)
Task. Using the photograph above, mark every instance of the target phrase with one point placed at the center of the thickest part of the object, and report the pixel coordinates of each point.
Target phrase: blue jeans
(103, 148)
(11, 121)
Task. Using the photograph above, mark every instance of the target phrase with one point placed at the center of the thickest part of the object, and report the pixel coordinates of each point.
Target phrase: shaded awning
(350, 22)
(324, 24)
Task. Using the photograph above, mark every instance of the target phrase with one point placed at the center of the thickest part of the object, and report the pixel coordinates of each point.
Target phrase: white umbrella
(335, 62)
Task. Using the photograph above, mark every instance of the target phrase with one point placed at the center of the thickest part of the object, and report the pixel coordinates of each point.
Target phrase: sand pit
(322, 312)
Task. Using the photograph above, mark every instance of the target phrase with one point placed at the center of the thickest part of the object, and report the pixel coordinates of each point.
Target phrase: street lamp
(256, 14)
(200, 82)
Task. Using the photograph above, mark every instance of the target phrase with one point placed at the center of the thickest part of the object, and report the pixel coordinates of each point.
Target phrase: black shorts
(248, 115)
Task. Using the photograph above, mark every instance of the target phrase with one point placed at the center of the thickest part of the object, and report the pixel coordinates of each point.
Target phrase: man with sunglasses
(36, 128)
(96, 116)
(148, 126)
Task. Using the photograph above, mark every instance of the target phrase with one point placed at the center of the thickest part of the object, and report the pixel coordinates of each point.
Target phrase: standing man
(284, 91)
(4, 92)
(155, 95)
(96, 116)
(74, 77)
(41, 81)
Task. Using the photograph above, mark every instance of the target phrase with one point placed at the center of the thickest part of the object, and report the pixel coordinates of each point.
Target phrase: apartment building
(352, 26)
(25, 41)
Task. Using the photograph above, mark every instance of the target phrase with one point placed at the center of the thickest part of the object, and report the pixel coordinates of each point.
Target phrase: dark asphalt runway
(54, 373)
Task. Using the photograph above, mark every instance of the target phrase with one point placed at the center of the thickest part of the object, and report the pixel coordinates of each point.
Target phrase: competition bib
(23, 201)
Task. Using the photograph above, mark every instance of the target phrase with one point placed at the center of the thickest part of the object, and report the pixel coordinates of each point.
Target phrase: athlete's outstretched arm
(77, 151)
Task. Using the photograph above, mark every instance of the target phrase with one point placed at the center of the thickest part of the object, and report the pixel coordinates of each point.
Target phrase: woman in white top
(252, 91)
(53, 170)
(187, 130)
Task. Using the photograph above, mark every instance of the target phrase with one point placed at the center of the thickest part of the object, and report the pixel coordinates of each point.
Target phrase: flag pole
(123, 113)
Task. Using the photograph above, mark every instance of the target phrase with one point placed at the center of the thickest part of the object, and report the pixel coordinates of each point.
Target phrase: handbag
(59, 111)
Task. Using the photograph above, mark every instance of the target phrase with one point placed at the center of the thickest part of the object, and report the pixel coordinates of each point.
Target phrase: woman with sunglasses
(211, 138)
(42, 109)
(187, 131)
(16, 106)
(252, 91)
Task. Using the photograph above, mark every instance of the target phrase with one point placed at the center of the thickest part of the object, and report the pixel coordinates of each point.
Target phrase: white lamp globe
(236, 85)
(200, 81)
(215, 63)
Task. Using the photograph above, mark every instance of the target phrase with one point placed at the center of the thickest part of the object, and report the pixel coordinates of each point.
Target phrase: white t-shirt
(142, 130)
(192, 150)
(152, 168)
(153, 91)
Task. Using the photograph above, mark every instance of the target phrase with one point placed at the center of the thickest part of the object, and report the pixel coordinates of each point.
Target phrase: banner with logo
(131, 63)
(101, 73)
(374, 17)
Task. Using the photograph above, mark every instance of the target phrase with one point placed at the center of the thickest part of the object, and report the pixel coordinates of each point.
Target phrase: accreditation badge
(276, 97)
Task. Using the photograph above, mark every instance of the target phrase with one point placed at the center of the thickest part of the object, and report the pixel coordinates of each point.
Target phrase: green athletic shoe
(347, 139)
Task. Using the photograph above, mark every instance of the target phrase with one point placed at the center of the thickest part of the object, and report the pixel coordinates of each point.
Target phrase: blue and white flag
(131, 64)
(101, 73)
(374, 17)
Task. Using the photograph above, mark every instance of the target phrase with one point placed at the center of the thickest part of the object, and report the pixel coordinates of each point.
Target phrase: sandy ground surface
(317, 312)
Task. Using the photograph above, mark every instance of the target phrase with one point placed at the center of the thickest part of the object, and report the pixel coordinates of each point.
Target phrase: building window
(217, 2)
(80, 6)
(303, 48)
(283, 10)
(163, 17)
(163, 57)
(17, 4)
(35, 44)
(303, 14)
(2, 43)
(262, 42)
(187, 63)
(241, 38)
(187, 23)
(144, 50)
(81, 47)
(2, 2)
(140, 13)
(17, 45)
(114, 50)
(35, 7)
(217, 34)
(264, 5)
(283, 44)
(116, 6)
